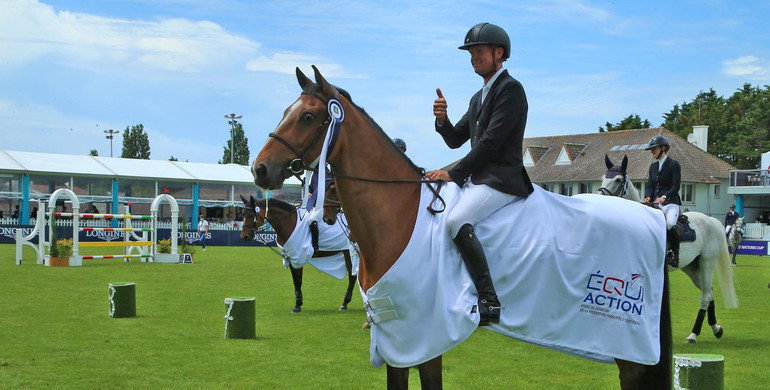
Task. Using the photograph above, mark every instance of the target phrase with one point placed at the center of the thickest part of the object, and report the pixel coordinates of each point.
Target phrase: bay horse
(282, 217)
(380, 190)
(735, 237)
(698, 259)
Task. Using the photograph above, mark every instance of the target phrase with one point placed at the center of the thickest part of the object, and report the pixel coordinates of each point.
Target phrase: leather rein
(297, 165)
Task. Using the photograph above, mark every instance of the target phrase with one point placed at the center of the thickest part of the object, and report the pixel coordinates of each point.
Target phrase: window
(717, 190)
(686, 193)
(136, 189)
(585, 188)
(566, 189)
(563, 158)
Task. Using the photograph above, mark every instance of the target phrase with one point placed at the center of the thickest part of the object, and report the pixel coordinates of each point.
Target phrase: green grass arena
(56, 332)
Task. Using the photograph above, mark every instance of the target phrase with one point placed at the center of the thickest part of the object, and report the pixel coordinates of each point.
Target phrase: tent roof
(124, 168)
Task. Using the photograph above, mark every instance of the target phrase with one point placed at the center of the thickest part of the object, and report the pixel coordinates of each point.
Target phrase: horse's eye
(308, 117)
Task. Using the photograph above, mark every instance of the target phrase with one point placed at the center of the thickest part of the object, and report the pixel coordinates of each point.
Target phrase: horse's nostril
(261, 170)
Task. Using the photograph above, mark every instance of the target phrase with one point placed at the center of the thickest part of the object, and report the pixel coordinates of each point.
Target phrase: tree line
(136, 144)
(739, 125)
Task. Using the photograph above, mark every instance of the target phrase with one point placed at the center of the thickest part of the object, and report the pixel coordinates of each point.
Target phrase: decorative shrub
(164, 246)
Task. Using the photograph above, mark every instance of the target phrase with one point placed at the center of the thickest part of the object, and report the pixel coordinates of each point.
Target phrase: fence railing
(137, 223)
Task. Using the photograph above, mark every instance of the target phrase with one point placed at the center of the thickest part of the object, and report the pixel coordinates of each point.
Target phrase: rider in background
(663, 182)
(730, 219)
(492, 173)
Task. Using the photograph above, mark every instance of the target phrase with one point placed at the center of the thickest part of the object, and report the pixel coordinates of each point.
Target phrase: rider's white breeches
(671, 211)
(476, 203)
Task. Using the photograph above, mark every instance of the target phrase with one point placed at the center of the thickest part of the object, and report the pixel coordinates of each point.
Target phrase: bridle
(620, 191)
(297, 165)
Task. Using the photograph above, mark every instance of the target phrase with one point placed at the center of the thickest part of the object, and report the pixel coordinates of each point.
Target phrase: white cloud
(749, 67)
(35, 31)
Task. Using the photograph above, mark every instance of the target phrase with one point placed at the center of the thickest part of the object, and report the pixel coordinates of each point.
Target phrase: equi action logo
(613, 297)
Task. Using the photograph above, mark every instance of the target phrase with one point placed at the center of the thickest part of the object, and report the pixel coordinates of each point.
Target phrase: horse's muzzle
(268, 175)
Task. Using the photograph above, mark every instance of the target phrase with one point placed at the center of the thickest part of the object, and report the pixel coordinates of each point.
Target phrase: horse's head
(253, 218)
(614, 181)
(332, 205)
(297, 141)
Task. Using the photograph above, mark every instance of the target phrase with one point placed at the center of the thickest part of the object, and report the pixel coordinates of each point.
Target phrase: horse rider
(730, 219)
(664, 178)
(400, 144)
(492, 173)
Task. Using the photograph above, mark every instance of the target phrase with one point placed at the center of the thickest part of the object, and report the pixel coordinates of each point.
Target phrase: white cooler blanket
(298, 249)
(581, 275)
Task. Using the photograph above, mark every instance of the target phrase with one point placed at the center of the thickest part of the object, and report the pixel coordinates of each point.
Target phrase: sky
(71, 69)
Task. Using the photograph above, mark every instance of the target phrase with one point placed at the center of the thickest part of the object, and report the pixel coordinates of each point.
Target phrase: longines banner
(214, 237)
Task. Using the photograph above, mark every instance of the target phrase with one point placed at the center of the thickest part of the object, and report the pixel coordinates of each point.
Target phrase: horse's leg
(351, 281)
(430, 374)
(635, 376)
(704, 284)
(398, 378)
(712, 317)
(296, 277)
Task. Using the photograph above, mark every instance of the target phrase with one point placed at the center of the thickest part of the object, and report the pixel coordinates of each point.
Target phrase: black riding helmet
(659, 140)
(487, 34)
(400, 143)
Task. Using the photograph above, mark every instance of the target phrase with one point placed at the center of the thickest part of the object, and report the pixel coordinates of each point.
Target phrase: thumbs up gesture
(439, 108)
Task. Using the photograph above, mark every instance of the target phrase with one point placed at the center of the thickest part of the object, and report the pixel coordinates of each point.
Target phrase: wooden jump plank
(114, 243)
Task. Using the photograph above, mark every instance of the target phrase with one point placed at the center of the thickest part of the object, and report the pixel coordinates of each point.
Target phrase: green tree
(241, 150)
(739, 126)
(136, 143)
(631, 122)
(172, 158)
(93, 152)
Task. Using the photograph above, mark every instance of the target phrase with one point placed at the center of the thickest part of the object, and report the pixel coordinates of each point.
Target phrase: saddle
(687, 233)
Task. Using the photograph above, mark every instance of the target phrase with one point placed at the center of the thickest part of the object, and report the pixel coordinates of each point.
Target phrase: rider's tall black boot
(314, 235)
(672, 256)
(473, 256)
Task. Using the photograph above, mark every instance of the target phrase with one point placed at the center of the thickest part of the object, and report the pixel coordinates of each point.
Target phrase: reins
(297, 165)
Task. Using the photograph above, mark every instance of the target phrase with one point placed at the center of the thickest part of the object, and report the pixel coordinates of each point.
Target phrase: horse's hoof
(691, 338)
(343, 307)
(296, 309)
(366, 325)
(718, 334)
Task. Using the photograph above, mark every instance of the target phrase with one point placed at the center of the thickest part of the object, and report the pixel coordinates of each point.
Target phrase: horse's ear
(624, 164)
(245, 202)
(607, 161)
(303, 80)
(252, 201)
(324, 85)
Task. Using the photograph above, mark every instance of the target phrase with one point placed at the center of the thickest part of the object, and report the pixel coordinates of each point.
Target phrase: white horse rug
(581, 275)
(298, 249)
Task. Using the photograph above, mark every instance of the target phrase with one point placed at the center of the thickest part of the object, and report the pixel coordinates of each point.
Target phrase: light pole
(110, 136)
(232, 120)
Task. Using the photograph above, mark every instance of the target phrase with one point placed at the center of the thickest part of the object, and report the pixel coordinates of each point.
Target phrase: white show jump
(145, 247)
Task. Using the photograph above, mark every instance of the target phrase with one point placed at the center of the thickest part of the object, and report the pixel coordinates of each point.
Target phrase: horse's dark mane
(276, 203)
(313, 89)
